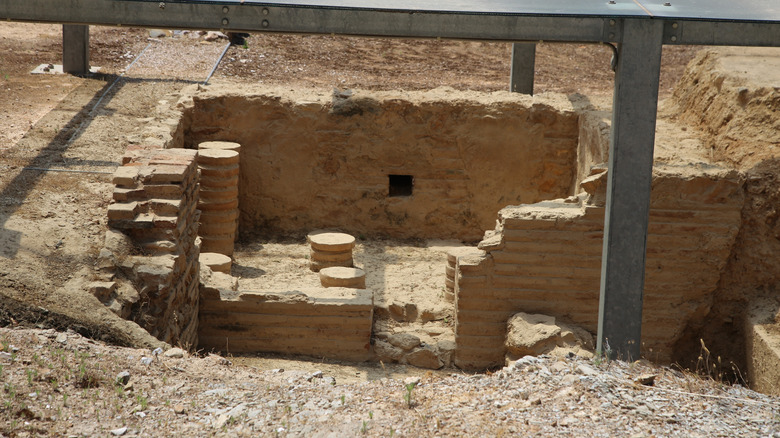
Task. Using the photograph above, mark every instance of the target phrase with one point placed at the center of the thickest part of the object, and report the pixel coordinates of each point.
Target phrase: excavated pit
(520, 180)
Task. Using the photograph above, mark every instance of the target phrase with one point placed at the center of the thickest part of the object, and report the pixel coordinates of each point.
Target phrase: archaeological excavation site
(445, 228)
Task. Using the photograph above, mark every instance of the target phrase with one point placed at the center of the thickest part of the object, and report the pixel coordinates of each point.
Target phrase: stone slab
(330, 241)
(217, 262)
(339, 276)
(220, 145)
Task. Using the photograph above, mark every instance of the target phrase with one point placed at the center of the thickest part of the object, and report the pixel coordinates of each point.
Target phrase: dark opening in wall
(400, 185)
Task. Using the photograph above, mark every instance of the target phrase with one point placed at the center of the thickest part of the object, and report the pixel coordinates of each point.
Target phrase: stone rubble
(208, 396)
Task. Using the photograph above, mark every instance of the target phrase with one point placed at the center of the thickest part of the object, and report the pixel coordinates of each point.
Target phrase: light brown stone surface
(217, 157)
(339, 276)
(330, 241)
(548, 260)
(217, 262)
(762, 333)
(323, 322)
(534, 334)
(220, 145)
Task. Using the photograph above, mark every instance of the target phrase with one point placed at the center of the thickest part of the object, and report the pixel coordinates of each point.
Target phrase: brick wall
(546, 258)
(322, 322)
(314, 161)
(155, 210)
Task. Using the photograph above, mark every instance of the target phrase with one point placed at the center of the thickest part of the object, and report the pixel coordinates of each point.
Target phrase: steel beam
(75, 49)
(721, 33)
(628, 189)
(522, 72)
(290, 18)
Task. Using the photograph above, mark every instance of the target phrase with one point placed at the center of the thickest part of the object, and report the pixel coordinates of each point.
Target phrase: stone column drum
(330, 249)
(339, 276)
(218, 200)
(220, 145)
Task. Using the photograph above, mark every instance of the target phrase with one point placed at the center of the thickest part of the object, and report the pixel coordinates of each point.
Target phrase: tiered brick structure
(449, 269)
(155, 202)
(218, 199)
(546, 258)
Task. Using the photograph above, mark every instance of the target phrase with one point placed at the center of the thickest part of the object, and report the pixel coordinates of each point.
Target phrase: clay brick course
(546, 258)
(155, 202)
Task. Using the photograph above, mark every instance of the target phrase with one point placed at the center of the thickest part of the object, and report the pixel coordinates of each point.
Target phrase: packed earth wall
(407, 164)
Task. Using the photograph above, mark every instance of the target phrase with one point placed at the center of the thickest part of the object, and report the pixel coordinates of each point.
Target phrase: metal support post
(628, 189)
(75, 49)
(522, 73)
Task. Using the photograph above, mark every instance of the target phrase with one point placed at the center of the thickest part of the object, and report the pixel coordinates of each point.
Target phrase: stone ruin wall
(317, 161)
(150, 258)
(321, 322)
(737, 111)
(697, 221)
(546, 258)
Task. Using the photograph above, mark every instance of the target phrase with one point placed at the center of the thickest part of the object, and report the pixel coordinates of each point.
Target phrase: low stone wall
(334, 322)
(546, 258)
(762, 333)
(152, 245)
(311, 160)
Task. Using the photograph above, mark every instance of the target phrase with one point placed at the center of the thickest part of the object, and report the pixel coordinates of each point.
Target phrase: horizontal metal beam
(553, 23)
(721, 33)
(253, 17)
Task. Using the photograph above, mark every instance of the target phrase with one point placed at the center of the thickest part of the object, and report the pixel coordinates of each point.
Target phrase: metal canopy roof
(728, 10)
(708, 22)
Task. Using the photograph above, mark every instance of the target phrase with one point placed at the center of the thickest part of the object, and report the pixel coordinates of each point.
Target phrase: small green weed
(409, 394)
(143, 402)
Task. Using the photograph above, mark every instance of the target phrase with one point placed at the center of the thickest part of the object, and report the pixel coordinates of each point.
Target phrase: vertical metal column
(634, 107)
(75, 49)
(522, 72)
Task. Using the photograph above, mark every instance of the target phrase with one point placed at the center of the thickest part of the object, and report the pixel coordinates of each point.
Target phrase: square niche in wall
(400, 185)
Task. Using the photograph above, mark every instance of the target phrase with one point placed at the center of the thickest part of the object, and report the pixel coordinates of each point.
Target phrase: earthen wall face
(323, 163)
(546, 258)
(155, 209)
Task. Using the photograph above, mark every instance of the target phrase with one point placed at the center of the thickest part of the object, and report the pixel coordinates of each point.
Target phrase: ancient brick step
(208, 205)
(217, 228)
(217, 157)
(330, 241)
(217, 262)
(218, 193)
(219, 145)
(219, 171)
(218, 181)
(340, 276)
(221, 245)
(317, 266)
(321, 256)
(219, 216)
